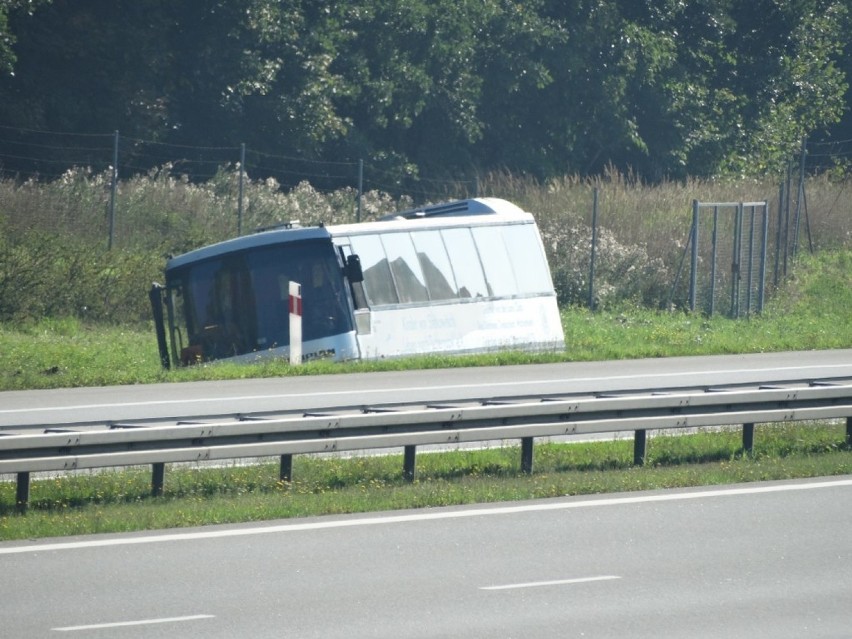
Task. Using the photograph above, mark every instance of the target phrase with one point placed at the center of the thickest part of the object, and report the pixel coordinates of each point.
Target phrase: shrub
(51, 275)
(54, 235)
(624, 274)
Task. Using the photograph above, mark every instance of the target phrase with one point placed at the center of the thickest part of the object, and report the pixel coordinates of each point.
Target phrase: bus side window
(465, 262)
(499, 271)
(435, 264)
(528, 260)
(405, 268)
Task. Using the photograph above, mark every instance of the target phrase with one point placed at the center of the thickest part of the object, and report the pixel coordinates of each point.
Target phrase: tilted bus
(463, 277)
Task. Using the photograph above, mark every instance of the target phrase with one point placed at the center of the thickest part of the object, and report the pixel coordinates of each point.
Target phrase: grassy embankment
(812, 312)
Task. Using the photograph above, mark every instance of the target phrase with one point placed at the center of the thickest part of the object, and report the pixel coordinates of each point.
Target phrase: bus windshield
(238, 303)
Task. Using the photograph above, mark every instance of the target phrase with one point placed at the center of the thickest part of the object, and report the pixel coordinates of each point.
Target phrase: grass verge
(811, 313)
(120, 501)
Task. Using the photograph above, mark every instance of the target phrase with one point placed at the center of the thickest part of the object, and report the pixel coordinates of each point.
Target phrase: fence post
(736, 261)
(787, 219)
(240, 191)
(693, 276)
(778, 234)
(800, 196)
(750, 260)
(761, 290)
(112, 190)
(360, 188)
(594, 246)
(714, 261)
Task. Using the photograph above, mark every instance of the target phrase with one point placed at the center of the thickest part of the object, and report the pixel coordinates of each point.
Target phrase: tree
(422, 75)
(7, 38)
(747, 82)
(664, 88)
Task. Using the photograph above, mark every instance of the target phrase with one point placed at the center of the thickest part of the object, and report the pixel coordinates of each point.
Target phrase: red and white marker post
(295, 323)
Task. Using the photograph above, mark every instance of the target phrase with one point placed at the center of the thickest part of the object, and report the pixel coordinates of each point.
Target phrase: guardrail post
(640, 447)
(748, 439)
(286, 472)
(409, 463)
(158, 479)
(22, 494)
(527, 455)
(849, 431)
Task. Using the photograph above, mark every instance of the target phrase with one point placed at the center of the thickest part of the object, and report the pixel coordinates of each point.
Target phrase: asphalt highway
(759, 560)
(764, 560)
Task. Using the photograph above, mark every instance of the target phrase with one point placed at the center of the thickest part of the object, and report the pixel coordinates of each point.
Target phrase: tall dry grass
(644, 229)
(54, 235)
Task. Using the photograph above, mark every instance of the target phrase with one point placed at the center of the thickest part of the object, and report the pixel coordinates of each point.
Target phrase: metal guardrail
(65, 447)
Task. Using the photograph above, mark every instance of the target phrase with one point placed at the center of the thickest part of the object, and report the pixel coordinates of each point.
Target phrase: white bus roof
(474, 206)
(409, 224)
(458, 213)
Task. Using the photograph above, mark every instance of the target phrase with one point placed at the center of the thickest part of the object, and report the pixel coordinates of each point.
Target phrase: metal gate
(729, 243)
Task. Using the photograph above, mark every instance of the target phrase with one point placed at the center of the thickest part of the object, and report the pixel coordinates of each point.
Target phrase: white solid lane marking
(558, 582)
(325, 524)
(141, 622)
(412, 389)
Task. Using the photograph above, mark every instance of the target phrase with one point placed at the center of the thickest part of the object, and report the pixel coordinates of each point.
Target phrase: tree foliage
(7, 37)
(666, 88)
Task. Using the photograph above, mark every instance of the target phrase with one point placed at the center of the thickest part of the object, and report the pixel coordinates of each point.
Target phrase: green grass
(119, 501)
(812, 311)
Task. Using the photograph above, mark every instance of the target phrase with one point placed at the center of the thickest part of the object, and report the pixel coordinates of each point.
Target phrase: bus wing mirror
(353, 269)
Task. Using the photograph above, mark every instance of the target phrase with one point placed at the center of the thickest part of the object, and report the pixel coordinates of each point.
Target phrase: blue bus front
(231, 300)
